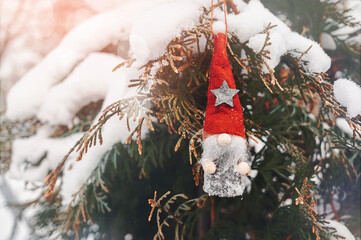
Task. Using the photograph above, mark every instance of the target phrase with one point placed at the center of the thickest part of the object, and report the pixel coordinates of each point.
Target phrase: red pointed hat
(224, 112)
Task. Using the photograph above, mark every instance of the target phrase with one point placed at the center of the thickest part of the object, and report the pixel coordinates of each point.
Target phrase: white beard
(226, 181)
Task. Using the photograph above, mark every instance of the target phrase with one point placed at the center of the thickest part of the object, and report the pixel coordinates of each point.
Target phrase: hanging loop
(225, 17)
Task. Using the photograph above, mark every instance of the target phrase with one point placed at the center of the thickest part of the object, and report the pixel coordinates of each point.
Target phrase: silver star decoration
(224, 94)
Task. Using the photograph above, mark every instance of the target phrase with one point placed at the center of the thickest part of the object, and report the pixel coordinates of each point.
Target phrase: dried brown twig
(133, 108)
(176, 216)
(307, 202)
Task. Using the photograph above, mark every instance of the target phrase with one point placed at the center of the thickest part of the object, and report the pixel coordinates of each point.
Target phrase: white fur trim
(237, 149)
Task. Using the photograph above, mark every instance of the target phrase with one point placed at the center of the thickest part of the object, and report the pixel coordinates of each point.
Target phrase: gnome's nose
(224, 139)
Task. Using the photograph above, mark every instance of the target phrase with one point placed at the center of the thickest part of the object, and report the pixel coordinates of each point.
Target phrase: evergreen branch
(177, 216)
(307, 203)
(317, 84)
(175, 107)
(78, 208)
(128, 63)
(131, 107)
(258, 61)
(236, 57)
(194, 141)
(8, 131)
(339, 14)
(341, 142)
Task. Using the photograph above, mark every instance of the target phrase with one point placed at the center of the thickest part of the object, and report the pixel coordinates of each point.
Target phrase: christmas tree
(112, 145)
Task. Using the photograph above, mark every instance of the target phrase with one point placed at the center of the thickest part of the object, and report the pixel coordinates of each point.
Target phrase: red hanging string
(225, 16)
(212, 212)
(212, 17)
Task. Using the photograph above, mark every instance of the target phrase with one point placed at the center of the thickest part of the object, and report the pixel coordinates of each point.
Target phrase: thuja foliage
(305, 160)
(325, 17)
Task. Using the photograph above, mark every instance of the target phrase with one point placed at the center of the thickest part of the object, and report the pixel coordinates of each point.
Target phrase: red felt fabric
(223, 118)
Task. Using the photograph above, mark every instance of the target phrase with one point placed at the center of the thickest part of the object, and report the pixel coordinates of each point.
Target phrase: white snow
(327, 42)
(341, 230)
(277, 48)
(247, 181)
(257, 16)
(27, 152)
(15, 192)
(27, 163)
(88, 82)
(256, 143)
(281, 37)
(101, 6)
(128, 236)
(343, 125)
(348, 94)
(151, 33)
(114, 131)
(240, 4)
(316, 60)
(26, 97)
(344, 31)
(6, 218)
(143, 24)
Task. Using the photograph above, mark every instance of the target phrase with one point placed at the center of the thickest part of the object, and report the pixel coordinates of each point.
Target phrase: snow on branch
(282, 38)
(348, 93)
(88, 82)
(27, 96)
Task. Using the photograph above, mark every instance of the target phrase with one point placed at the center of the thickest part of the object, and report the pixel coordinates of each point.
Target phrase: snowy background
(57, 56)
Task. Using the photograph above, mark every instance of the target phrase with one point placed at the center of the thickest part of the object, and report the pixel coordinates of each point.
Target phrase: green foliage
(130, 179)
(325, 17)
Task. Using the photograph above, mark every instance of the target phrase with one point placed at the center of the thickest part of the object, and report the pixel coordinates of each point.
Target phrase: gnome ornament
(224, 145)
